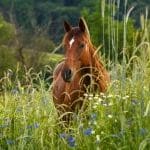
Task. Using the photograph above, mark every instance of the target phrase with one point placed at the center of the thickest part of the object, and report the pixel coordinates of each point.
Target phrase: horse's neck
(96, 63)
(94, 58)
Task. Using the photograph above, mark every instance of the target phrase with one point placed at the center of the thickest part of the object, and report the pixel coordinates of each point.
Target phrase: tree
(6, 31)
(107, 31)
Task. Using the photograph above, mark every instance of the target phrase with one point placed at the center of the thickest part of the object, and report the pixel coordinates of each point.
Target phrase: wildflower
(36, 125)
(18, 109)
(7, 121)
(96, 97)
(10, 142)
(63, 135)
(110, 116)
(95, 105)
(104, 103)
(93, 116)
(125, 111)
(71, 141)
(102, 132)
(100, 100)
(143, 131)
(91, 95)
(110, 104)
(90, 98)
(125, 97)
(121, 133)
(89, 131)
(95, 123)
(3, 126)
(134, 102)
(15, 91)
(85, 94)
(81, 127)
(29, 127)
(44, 100)
(97, 138)
(110, 96)
(102, 94)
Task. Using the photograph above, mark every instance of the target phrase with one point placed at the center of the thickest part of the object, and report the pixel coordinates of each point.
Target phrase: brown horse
(79, 70)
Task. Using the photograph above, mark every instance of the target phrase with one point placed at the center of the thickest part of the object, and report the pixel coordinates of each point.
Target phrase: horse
(80, 69)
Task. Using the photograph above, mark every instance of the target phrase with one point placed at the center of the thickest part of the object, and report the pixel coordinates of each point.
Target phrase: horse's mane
(99, 72)
(93, 50)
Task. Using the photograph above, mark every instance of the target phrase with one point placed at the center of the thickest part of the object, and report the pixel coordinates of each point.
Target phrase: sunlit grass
(118, 119)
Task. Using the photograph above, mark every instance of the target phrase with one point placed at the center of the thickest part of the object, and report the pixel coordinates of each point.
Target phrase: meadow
(118, 119)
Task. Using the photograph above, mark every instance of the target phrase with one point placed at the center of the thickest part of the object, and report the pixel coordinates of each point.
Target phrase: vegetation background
(31, 33)
(30, 30)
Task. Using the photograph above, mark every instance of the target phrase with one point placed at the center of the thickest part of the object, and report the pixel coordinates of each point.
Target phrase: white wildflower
(85, 94)
(97, 138)
(102, 132)
(110, 96)
(110, 116)
(99, 100)
(92, 132)
(110, 104)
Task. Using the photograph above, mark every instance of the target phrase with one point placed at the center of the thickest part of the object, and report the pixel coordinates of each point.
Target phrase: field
(118, 119)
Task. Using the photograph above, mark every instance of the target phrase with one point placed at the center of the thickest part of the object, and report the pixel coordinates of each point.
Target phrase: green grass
(118, 119)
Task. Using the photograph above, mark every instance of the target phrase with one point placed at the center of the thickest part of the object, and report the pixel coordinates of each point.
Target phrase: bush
(6, 31)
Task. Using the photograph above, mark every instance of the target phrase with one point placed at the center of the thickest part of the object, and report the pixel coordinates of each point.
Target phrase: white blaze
(71, 42)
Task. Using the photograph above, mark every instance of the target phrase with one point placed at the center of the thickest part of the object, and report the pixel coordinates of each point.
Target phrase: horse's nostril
(67, 75)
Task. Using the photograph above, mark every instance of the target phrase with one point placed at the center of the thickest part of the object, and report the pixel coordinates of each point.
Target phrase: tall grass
(118, 119)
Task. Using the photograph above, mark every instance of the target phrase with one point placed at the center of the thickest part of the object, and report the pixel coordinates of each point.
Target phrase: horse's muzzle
(67, 75)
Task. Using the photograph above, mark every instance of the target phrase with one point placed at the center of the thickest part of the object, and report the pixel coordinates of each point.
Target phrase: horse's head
(77, 49)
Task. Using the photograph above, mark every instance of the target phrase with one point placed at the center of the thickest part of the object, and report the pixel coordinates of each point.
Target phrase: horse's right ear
(67, 26)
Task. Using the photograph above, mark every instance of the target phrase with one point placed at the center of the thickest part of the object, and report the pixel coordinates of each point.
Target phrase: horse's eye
(81, 45)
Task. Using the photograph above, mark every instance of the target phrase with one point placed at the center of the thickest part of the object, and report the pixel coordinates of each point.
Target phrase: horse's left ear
(67, 26)
(82, 25)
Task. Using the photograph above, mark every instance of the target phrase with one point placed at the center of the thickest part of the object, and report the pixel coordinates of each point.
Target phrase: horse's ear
(67, 26)
(82, 25)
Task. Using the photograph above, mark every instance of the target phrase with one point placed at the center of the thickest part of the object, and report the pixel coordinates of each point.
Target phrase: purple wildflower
(36, 125)
(88, 131)
(15, 91)
(93, 116)
(71, 141)
(134, 102)
(10, 142)
(29, 127)
(143, 131)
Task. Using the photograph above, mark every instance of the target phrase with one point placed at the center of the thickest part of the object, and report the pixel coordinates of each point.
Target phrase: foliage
(5, 55)
(109, 32)
(36, 61)
(6, 31)
(31, 15)
(41, 43)
(139, 8)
